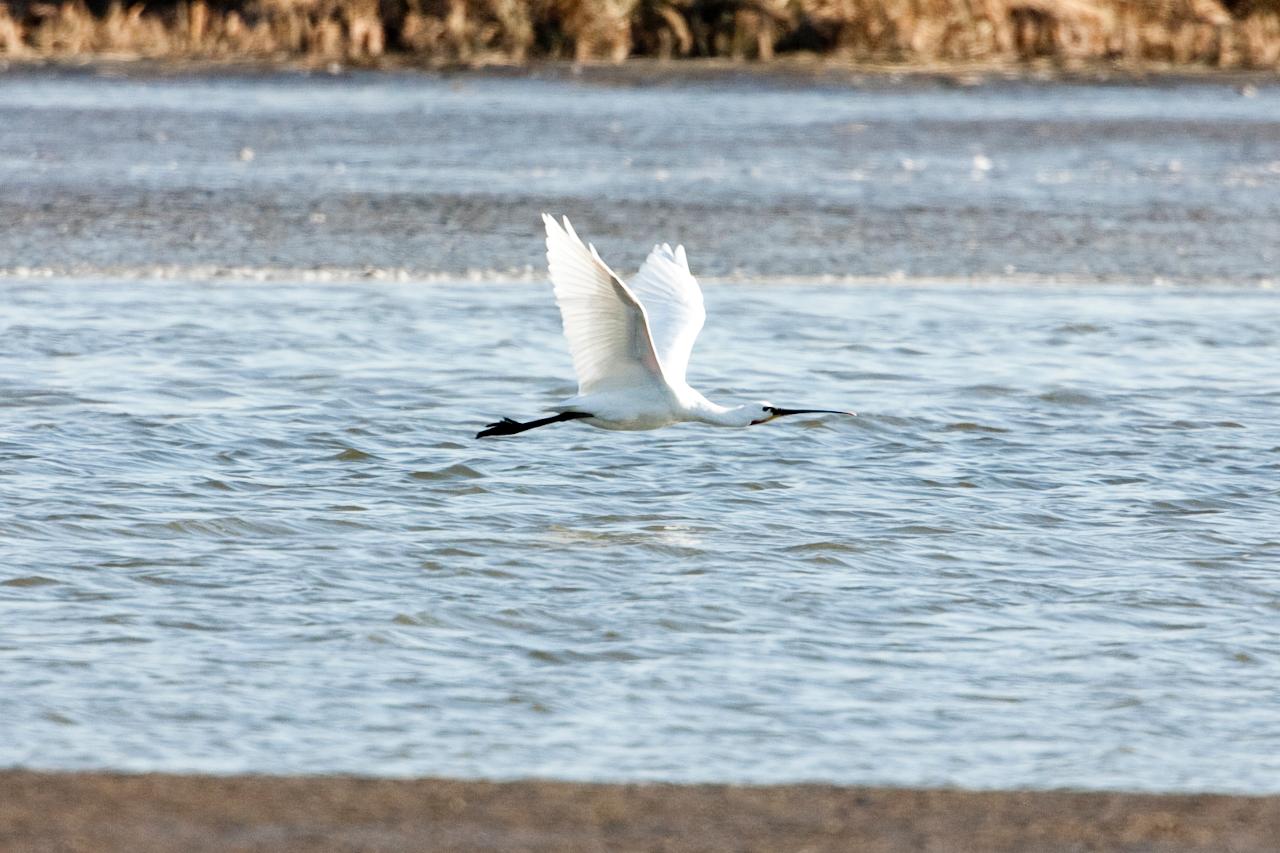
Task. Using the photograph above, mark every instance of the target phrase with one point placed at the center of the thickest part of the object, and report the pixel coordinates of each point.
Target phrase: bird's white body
(648, 407)
(631, 342)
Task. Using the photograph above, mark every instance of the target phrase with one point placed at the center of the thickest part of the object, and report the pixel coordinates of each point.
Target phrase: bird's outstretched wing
(673, 302)
(606, 325)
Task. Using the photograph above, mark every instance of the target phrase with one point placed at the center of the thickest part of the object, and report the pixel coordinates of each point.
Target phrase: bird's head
(762, 411)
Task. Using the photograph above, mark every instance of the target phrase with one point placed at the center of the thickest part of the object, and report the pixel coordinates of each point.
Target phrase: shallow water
(249, 528)
(244, 525)
(430, 175)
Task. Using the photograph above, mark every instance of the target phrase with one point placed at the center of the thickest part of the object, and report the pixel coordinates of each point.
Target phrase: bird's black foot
(506, 426)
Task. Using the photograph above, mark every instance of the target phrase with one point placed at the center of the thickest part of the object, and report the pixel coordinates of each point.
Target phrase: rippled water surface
(1115, 183)
(245, 526)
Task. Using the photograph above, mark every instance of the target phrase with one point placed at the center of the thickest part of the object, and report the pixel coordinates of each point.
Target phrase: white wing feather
(673, 302)
(604, 322)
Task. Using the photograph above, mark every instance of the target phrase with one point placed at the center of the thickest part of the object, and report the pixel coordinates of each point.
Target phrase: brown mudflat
(103, 812)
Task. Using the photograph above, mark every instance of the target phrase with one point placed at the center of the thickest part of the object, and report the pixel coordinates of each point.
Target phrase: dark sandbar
(103, 812)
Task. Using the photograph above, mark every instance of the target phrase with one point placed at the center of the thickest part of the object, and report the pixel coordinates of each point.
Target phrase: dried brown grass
(1219, 33)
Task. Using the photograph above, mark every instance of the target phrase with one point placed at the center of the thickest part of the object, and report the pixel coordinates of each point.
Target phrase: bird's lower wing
(605, 324)
(673, 303)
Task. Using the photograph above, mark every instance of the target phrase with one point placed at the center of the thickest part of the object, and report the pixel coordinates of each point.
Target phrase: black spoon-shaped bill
(778, 412)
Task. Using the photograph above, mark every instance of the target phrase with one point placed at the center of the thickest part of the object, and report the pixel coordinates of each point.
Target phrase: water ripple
(249, 528)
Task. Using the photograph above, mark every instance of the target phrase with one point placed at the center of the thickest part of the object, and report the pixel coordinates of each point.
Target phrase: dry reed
(1218, 33)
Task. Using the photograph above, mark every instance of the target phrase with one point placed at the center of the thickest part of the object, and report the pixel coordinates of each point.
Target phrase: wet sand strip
(104, 812)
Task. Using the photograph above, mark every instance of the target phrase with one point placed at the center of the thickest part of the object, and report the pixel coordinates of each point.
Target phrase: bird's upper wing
(606, 325)
(673, 301)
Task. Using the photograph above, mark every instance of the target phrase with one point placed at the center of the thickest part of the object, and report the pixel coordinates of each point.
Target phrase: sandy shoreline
(151, 812)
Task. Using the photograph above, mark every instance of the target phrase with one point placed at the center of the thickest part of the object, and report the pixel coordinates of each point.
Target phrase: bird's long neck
(704, 411)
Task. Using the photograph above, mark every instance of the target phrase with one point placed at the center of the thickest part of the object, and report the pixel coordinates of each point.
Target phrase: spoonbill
(631, 343)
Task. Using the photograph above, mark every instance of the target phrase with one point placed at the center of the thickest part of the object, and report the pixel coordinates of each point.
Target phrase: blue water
(245, 526)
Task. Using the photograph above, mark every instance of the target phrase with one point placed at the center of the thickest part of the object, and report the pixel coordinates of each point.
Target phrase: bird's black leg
(506, 426)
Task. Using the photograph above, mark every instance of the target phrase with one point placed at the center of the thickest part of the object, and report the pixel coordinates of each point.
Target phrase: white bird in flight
(631, 343)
